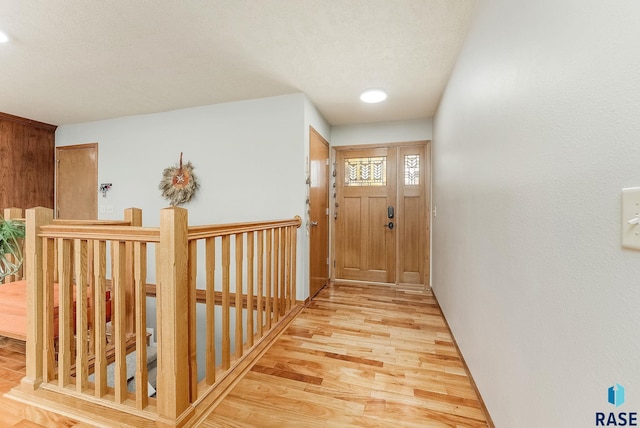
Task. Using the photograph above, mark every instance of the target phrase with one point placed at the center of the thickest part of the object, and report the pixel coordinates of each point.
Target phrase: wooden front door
(365, 235)
(77, 182)
(319, 211)
(382, 215)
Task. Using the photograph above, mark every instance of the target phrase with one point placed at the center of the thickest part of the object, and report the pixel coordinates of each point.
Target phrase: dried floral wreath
(178, 183)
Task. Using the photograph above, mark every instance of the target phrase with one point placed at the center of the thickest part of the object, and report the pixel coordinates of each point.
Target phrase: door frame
(325, 218)
(428, 207)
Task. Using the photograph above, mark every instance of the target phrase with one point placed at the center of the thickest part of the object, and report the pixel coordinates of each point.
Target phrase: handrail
(212, 231)
(67, 222)
(116, 233)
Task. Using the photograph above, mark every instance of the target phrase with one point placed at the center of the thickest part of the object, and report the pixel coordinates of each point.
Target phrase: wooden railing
(132, 216)
(252, 292)
(67, 341)
(257, 284)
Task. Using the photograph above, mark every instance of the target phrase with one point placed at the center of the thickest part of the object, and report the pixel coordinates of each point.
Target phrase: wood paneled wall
(27, 162)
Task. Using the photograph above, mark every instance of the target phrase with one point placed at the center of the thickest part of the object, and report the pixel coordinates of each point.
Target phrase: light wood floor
(13, 413)
(374, 356)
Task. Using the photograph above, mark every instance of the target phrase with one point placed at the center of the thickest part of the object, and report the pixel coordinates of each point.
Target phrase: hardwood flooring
(359, 355)
(13, 413)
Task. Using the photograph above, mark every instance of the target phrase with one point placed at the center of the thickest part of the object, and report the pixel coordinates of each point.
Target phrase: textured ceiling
(77, 61)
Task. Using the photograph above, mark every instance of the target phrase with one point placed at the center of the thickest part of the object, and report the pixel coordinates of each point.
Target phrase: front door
(77, 182)
(382, 215)
(365, 227)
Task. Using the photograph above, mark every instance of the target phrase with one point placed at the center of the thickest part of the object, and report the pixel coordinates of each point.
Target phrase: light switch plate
(631, 211)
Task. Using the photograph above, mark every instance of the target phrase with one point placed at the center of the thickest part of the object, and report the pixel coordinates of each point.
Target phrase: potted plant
(12, 233)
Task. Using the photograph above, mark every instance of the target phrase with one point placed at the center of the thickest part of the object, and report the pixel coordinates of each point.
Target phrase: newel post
(35, 217)
(174, 408)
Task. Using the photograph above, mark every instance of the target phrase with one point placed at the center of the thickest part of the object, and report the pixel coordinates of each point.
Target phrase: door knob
(314, 223)
(389, 225)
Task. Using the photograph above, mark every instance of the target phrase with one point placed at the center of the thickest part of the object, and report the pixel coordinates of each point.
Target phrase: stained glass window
(411, 170)
(365, 171)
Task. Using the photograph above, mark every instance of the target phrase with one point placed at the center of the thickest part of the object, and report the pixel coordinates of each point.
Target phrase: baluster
(65, 312)
(250, 262)
(191, 289)
(260, 281)
(287, 273)
(239, 240)
(91, 303)
(119, 319)
(226, 341)
(210, 252)
(268, 308)
(140, 280)
(294, 243)
(134, 217)
(276, 276)
(283, 259)
(100, 316)
(49, 261)
(82, 356)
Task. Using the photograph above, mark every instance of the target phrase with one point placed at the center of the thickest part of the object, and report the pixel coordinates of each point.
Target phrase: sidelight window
(411, 170)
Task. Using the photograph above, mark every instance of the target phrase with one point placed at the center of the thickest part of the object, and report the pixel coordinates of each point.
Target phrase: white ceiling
(77, 61)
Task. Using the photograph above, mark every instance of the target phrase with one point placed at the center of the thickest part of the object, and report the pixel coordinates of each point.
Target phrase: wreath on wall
(178, 183)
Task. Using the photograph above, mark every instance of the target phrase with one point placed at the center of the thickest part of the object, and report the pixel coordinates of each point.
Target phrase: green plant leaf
(12, 233)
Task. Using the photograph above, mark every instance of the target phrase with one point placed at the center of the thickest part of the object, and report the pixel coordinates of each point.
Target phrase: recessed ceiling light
(3, 37)
(373, 96)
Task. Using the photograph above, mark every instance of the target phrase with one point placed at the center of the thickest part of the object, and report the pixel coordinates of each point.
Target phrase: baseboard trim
(464, 363)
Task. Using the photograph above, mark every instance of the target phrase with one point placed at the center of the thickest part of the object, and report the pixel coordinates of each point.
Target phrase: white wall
(314, 118)
(537, 133)
(248, 157)
(382, 132)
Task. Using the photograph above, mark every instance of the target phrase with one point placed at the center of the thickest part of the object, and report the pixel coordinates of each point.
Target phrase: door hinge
(327, 211)
(327, 162)
(334, 263)
(327, 261)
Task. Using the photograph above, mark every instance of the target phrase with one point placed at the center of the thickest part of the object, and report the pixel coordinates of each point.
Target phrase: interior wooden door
(77, 182)
(319, 211)
(365, 226)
